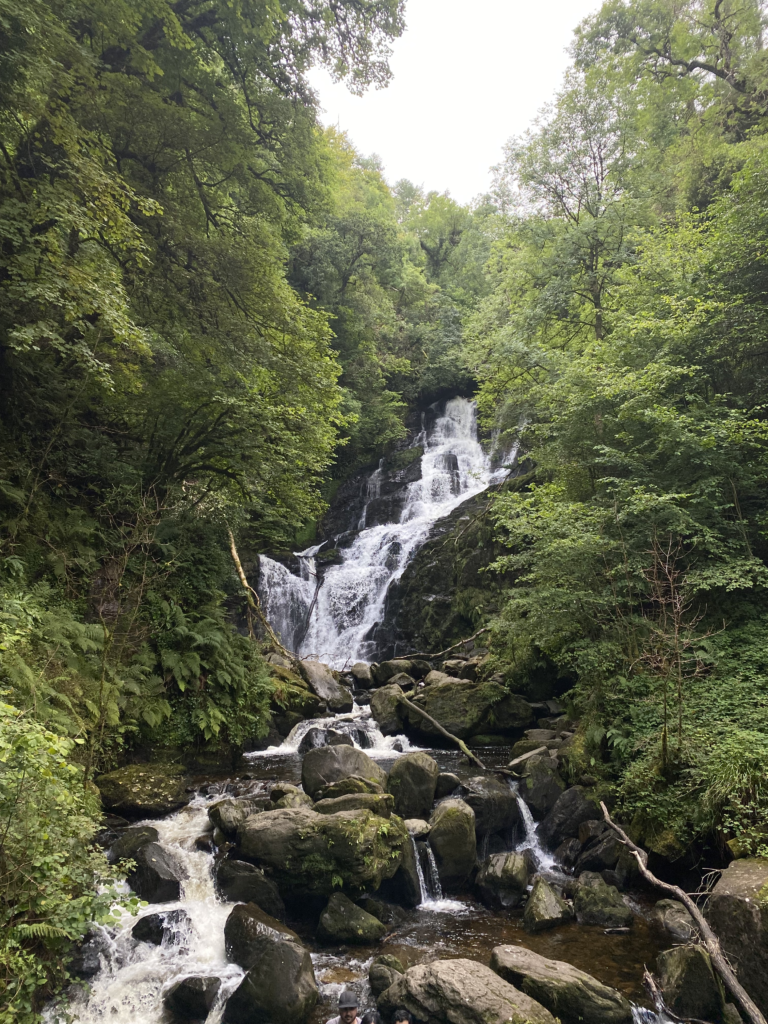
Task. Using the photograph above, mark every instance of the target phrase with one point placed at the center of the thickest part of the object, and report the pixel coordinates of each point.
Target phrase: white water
(545, 861)
(351, 599)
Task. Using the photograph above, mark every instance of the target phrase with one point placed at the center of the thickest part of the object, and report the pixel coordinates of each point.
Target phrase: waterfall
(544, 860)
(420, 872)
(434, 877)
(351, 598)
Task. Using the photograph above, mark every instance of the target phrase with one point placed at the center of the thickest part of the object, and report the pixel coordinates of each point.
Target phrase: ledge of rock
(144, 790)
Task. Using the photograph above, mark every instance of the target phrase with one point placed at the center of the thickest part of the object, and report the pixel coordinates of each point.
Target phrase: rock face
(154, 928)
(689, 984)
(493, 802)
(307, 852)
(570, 810)
(460, 992)
(453, 842)
(240, 882)
(675, 920)
(326, 765)
(541, 787)
(387, 710)
(144, 790)
(411, 781)
(157, 876)
(383, 972)
(502, 880)
(192, 998)
(738, 913)
(342, 921)
(568, 993)
(382, 804)
(320, 679)
(544, 908)
(598, 903)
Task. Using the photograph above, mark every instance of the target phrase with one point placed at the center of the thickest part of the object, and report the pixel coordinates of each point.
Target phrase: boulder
(85, 961)
(279, 989)
(144, 790)
(157, 876)
(230, 813)
(570, 810)
(377, 803)
(345, 787)
(387, 670)
(405, 682)
(460, 992)
(465, 708)
(321, 681)
(404, 887)
(502, 880)
(738, 913)
(571, 995)
(314, 737)
(192, 997)
(675, 920)
(447, 784)
(433, 677)
(453, 842)
(494, 804)
(325, 765)
(292, 796)
(237, 881)
(596, 902)
(411, 781)
(417, 828)
(244, 932)
(131, 841)
(307, 853)
(362, 675)
(600, 855)
(387, 710)
(544, 909)
(383, 972)
(689, 984)
(343, 922)
(541, 786)
(337, 738)
(568, 852)
(153, 928)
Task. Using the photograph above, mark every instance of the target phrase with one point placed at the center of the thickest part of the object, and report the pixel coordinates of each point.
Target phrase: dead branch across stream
(444, 732)
(430, 657)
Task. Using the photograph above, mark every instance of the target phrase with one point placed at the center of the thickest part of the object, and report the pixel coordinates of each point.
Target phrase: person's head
(372, 1017)
(347, 1006)
(402, 1016)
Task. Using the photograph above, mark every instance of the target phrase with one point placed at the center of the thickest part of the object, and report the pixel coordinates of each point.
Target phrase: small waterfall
(434, 878)
(432, 898)
(420, 872)
(544, 860)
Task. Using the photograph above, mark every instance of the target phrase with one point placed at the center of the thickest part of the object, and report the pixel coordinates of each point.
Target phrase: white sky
(467, 76)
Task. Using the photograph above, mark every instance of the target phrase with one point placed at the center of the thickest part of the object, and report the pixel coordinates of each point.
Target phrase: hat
(347, 999)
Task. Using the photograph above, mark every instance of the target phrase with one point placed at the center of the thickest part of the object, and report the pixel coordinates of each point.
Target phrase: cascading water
(544, 860)
(350, 601)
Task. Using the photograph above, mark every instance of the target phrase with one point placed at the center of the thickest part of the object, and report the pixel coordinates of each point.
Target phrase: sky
(467, 76)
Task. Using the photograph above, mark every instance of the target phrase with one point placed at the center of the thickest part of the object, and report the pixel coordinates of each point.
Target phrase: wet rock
(287, 722)
(85, 961)
(229, 814)
(131, 841)
(157, 876)
(153, 928)
(405, 682)
(334, 738)
(601, 855)
(689, 984)
(388, 913)
(312, 738)
(404, 886)
(571, 808)
(571, 995)
(544, 909)
(675, 920)
(326, 765)
(596, 902)
(433, 676)
(383, 972)
(493, 802)
(240, 882)
(541, 786)
(738, 913)
(246, 928)
(502, 880)
(447, 784)
(377, 803)
(306, 852)
(417, 828)
(453, 991)
(387, 710)
(192, 998)
(453, 842)
(343, 922)
(280, 988)
(321, 681)
(362, 675)
(411, 781)
(344, 787)
(589, 831)
(144, 790)
(568, 852)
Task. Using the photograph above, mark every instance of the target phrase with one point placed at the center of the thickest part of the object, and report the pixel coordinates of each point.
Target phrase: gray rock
(541, 786)
(240, 882)
(325, 765)
(157, 876)
(343, 922)
(131, 841)
(153, 928)
(411, 781)
(460, 992)
(597, 903)
(245, 929)
(569, 994)
(675, 920)
(404, 886)
(344, 787)
(377, 803)
(568, 852)
(362, 674)
(570, 810)
(383, 972)
(600, 855)
(280, 987)
(387, 913)
(493, 802)
(417, 828)
(321, 681)
(387, 670)
(192, 997)
(544, 909)
(229, 814)
(689, 984)
(447, 784)
(387, 710)
(502, 880)
(314, 737)
(286, 795)
(453, 842)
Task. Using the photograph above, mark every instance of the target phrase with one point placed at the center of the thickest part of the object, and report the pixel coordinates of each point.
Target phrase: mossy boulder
(544, 909)
(343, 922)
(411, 781)
(229, 814)
(388, 710)
(494, 804)
(131, 841)
(674, 918)
(237, 881)
(310, 853)
(453, 842)
(738, 912)
(144, 790)
(541, 785)
(383, 972)
(596, 902)
(690, 986)
(502, 880)
(466, 708)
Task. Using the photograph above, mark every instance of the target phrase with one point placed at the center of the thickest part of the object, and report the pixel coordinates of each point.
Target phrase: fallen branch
(448, 650)
(449, 735)
(254, 603)
(711, 941)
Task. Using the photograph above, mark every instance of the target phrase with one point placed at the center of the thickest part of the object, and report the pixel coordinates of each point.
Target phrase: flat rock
(350, 784)
(382, 804)
(144, 790)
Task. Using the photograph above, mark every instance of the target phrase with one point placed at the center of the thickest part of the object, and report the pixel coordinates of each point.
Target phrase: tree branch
(444, 732)
(254, 603)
